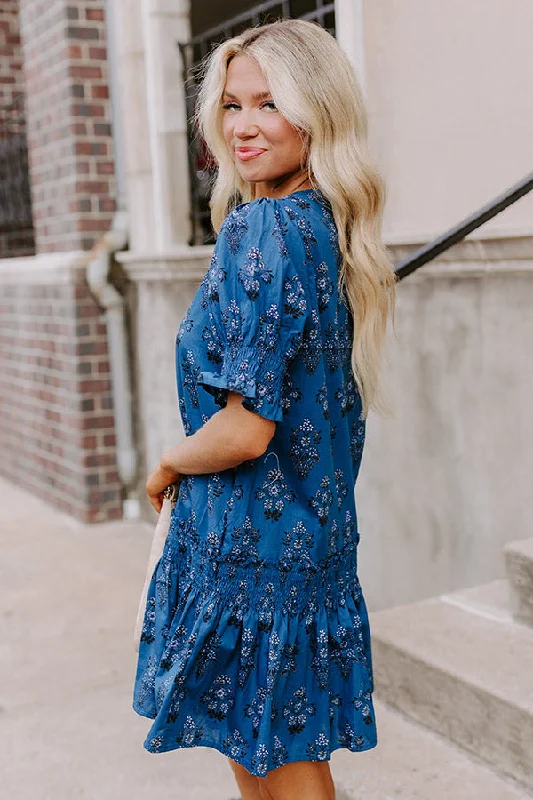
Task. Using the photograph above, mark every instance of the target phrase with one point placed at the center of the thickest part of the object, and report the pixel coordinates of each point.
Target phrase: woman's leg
(328, 779)
(302, 779)
(309, 779)
(248, 784)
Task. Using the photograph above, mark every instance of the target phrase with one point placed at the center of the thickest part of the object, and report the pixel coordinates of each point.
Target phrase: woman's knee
(309, 779)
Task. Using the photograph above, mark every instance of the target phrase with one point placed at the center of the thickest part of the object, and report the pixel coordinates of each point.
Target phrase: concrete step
(462, 666)
(519, 565)
(413, 763)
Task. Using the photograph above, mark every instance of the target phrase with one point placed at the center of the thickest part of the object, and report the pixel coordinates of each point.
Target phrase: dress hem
(246, 763)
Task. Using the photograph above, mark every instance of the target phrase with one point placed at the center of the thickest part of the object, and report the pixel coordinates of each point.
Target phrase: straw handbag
(170, 496)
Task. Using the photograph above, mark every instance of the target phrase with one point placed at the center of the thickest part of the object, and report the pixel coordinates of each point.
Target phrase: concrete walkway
(69, 596)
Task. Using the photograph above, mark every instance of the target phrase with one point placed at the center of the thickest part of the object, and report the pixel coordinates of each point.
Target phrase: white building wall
(448, 87)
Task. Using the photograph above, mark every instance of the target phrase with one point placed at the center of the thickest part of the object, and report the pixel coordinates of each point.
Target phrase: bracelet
(171, 492)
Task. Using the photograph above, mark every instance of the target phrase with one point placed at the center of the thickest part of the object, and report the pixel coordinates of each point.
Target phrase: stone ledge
(182, 264)
(456, 269)
(46, 268)
(471, 257)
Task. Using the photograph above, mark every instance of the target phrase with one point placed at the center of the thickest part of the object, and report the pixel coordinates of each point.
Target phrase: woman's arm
(228, 438)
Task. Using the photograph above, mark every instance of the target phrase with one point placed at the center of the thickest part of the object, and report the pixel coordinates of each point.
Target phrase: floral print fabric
(255, 638)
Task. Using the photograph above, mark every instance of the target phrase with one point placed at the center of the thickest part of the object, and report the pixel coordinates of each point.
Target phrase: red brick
(97, 53)
(79, 204)
(97, 225)
(94, 386)
(87, 110)
(101, 423)
(105, 168)
(91, 148)
(106, 204)
(92, 187)
(83, 71)
(94, 14)
(82, 32)
(99, 93)
(78, 128)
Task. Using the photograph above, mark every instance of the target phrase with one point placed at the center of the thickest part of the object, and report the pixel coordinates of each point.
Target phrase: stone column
(166, 22)
(154, 120)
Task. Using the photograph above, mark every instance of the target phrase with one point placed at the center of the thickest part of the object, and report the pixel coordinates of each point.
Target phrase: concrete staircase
(519, 564)
(462, 665)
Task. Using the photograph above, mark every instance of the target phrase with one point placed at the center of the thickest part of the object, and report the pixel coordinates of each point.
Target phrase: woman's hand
(157, 482)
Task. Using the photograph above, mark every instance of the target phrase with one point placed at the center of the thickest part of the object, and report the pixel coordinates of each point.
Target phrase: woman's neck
(283, 186)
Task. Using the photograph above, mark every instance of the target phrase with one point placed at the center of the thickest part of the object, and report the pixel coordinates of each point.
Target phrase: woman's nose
(245, 126)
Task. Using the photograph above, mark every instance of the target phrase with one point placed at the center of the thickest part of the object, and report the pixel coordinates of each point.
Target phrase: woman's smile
(247, 153)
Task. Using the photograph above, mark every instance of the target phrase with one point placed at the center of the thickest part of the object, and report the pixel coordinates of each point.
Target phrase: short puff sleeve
(256, 294)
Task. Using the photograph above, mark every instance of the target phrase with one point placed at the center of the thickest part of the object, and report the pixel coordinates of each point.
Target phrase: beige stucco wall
(447, 480)
(448, 87)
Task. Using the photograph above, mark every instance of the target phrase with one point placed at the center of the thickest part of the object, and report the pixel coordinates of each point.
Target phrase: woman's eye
(230, 106)
(270, 105)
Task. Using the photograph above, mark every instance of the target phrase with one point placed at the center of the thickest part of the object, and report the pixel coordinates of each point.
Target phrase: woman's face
(267, 149)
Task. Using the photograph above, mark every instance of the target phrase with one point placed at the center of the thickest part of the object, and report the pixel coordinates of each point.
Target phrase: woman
(255, 640)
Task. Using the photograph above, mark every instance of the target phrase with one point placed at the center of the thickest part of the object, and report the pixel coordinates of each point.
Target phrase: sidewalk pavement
(69, 595)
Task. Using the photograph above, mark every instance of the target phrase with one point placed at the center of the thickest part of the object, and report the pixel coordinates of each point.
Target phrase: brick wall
(57, 434)
(69, 121)
(11, 77)
(56, 412)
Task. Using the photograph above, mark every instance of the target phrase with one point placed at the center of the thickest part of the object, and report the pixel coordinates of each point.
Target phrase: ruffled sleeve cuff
(258, 379)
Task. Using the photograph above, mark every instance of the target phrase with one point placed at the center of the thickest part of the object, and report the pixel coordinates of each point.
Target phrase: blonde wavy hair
(314, 86)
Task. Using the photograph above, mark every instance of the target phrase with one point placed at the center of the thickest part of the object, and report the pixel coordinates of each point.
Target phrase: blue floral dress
(255, 638)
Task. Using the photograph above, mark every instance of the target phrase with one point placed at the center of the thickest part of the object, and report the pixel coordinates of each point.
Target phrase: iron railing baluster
(456, 234)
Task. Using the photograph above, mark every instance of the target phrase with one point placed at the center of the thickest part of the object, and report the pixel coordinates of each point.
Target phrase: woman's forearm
(228, 438)
(208, 450)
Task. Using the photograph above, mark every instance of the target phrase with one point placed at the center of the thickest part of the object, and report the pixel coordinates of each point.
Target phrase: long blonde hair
(314, 86)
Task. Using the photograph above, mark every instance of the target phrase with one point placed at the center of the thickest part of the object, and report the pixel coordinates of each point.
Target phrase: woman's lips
(246, 153)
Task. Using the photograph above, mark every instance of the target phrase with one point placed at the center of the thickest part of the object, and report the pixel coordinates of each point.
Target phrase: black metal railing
(16, 220)
(456, 234)
(201, 170)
